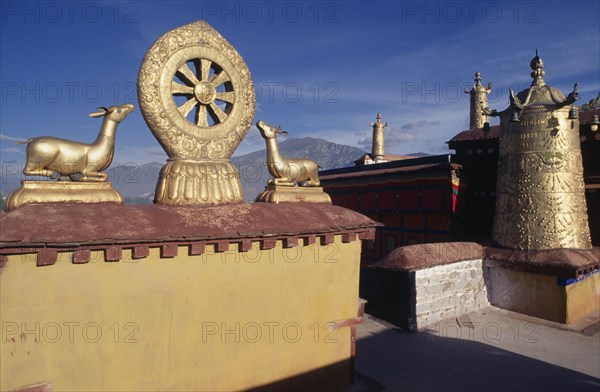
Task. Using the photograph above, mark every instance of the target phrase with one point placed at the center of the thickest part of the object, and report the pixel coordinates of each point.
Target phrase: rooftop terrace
(488, 350)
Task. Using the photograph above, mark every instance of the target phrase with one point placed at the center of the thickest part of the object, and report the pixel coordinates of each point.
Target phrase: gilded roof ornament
(591, 104)
(539, 94)
(540, 202)
(537, 65)
(79, 167)
(478, 87)
(197, 97)
(286, 171)
(378, 148)
(295, 180)
(479, 102)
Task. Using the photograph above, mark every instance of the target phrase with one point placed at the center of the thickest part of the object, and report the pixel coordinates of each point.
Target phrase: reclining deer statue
(47, 155)
(288, 172)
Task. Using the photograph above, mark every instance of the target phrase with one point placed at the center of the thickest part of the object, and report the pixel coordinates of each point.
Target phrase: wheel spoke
(228, 96)
(204, 69)
(181, 89)
(187, 73)
(187, 107)
(190, 76)
(217, 114)
(219, 78)
(201, 118)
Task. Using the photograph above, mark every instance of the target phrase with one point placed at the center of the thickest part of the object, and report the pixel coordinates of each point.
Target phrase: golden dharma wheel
(197, 97)
(196, 93)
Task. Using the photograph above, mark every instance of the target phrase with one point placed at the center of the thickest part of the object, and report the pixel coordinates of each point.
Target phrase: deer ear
(99, 113)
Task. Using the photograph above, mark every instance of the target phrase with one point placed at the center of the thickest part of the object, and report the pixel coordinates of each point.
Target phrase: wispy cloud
(9, 138)
(418, 124)
(15, 150)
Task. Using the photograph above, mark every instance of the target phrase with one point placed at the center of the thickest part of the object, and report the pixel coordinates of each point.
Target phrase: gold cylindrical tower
(479, 101)
(540, 201)
(378, 150)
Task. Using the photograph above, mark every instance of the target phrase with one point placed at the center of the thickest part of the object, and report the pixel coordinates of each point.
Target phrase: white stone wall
(448, 291)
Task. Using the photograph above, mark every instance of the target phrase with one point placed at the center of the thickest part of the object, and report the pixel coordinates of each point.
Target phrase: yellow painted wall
(583, 298)
(218, 321)
(541, 296)
(528, 293)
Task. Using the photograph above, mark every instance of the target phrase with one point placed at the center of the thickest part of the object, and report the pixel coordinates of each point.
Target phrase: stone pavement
(488, 350)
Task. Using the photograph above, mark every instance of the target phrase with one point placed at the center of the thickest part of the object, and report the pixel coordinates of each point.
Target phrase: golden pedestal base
(62, 192)
(293, 194)
(184, 182)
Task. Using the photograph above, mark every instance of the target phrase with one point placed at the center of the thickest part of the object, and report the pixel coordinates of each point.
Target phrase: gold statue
(540, 201)
(83, 163)
(47, 155)
(287, 172)
(197, 97)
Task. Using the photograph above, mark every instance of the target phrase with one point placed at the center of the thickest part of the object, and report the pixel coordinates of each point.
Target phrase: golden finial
(537, 65)
(477, 78)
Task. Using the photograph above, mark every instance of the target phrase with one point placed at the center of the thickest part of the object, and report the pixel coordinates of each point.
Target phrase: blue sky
(321, 69)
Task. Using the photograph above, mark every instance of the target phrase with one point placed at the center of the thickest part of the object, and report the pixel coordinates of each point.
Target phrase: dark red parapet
(477, 134)
(567, 263)
(107, 225)
(43, 387)
(420, 256)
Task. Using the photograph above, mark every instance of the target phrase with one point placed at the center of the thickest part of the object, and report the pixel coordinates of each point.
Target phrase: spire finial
(537, 65)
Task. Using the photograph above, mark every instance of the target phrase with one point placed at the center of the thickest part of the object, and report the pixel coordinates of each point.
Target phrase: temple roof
(477, 134)
(386, 157)
(391, 170)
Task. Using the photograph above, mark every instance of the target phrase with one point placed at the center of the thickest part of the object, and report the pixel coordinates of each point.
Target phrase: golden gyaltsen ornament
(197, 97)
(378, 151)
(540, 201)
(479, 101)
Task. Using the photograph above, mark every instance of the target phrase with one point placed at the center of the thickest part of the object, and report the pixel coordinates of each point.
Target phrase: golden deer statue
(47, 155)
(288, 172)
